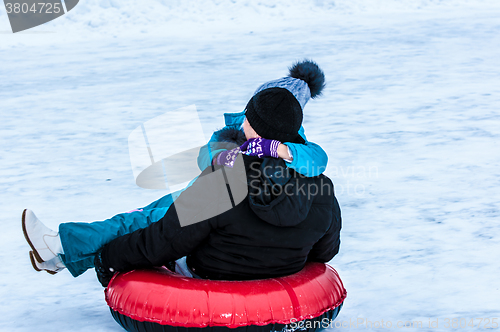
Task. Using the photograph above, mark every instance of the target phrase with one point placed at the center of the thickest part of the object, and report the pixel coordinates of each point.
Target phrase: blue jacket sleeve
(309, 159)
(207, 153)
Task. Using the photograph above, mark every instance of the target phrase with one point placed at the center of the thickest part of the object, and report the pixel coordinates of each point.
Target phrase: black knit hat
(275, 113)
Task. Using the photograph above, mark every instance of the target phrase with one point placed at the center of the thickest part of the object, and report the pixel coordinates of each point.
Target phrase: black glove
(104, 274)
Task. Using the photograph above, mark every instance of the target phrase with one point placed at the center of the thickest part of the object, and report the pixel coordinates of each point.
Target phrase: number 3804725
(36, 8)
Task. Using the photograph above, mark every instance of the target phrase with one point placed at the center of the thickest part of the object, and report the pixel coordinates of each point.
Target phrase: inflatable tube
(160, 300)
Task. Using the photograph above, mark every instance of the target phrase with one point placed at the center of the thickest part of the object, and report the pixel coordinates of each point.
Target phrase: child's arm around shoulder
(308, 159)
(207, 153)
(212, 149)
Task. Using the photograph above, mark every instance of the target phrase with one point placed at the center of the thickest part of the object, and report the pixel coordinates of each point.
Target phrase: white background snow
(409, 118)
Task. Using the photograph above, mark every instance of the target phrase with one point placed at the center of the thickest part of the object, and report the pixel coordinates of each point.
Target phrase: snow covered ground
(409, 118)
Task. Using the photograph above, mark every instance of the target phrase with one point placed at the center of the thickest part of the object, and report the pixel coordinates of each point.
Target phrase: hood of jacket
(277, 194)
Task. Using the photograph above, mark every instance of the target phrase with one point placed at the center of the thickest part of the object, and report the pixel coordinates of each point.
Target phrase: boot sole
(33, 263)
(35, 253)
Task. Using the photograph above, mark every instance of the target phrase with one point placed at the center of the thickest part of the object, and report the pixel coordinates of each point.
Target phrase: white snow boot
(52, 266)
(45, 242)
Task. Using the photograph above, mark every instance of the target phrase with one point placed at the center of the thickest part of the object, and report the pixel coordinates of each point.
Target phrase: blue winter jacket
(309, 159)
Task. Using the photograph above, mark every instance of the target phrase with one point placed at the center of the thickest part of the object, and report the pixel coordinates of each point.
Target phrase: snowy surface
(409, 118)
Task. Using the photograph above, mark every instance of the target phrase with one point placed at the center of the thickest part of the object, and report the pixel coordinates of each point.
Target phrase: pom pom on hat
(275, 110)
(304, 81)
(309, 72)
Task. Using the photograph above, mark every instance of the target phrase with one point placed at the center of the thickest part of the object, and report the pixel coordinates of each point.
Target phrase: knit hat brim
(275, 114)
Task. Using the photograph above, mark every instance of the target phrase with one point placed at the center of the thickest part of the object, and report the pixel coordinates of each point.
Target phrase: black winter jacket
(285, 220)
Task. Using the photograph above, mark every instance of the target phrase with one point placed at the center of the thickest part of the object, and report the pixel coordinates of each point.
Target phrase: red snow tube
(160, 300)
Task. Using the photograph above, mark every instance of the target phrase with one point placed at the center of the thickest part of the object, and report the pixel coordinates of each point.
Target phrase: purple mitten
(260, 147)
(227, 158)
